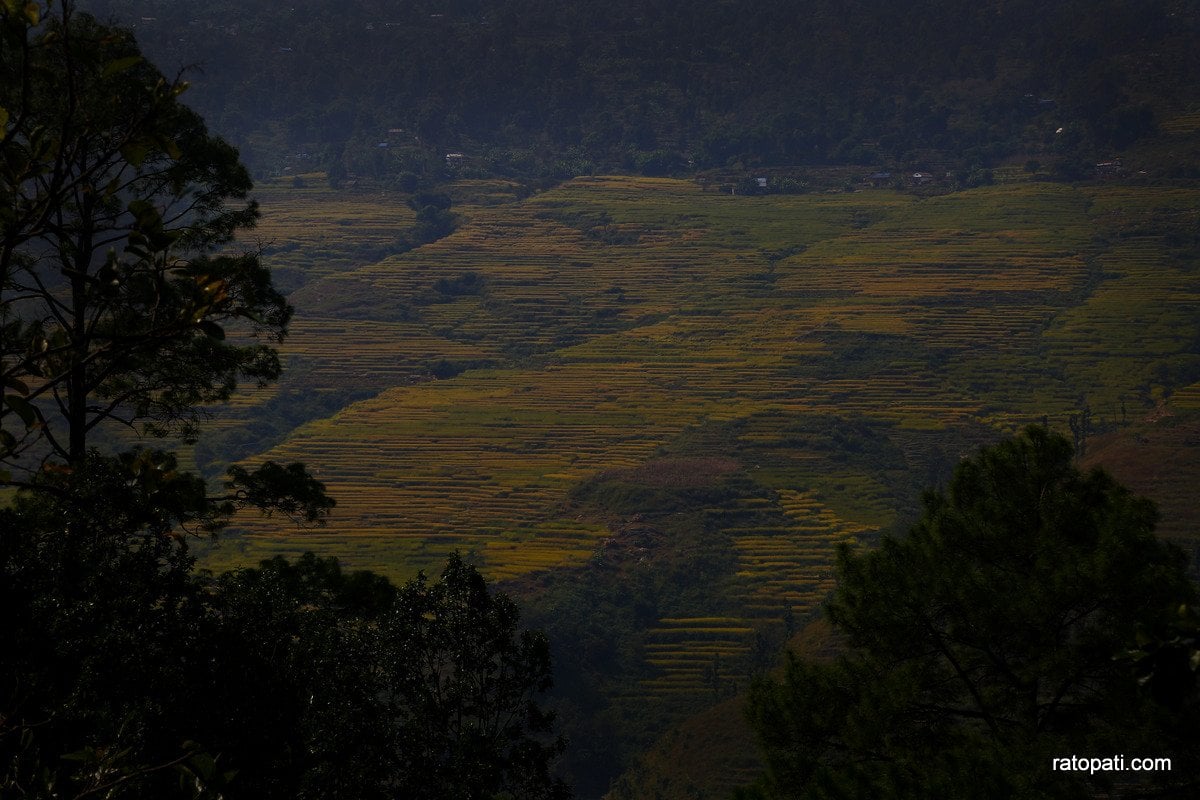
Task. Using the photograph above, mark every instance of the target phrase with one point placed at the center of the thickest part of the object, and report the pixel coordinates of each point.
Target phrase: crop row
(792, 567)
(694, 655)
(785, 570)
(317, 230)
(1187, 398)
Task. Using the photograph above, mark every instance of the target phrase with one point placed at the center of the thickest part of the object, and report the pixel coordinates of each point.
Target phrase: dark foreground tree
(462, 683)
(126, 674)
(361, 690)
(121, 304)
(987, 643)
(114, 195)
(102, 620)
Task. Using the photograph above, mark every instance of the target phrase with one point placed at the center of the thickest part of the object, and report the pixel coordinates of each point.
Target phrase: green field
(619, 375)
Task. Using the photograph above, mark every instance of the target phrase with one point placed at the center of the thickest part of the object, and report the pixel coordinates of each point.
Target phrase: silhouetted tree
(986, 643)
(118, 302)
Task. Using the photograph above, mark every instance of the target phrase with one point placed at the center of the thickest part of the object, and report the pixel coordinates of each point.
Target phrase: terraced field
(847, 347)
(791, 566)
(308, 230)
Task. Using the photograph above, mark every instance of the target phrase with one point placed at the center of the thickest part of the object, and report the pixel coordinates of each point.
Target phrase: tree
(986, 643)
(462, 681)
(118, 300)
(290, 692)
(102, 621)
(362, 689)
(125, 669)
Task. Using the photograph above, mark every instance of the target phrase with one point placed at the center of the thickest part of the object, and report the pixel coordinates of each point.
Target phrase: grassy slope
(833, 352)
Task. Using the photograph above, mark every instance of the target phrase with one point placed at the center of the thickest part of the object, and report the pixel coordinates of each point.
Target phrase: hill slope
(522, 87)
(654, 409)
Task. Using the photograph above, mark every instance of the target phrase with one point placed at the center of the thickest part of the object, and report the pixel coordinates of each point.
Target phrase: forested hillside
(529, 88)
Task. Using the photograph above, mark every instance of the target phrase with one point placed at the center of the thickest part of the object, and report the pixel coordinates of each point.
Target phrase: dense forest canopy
(528, 87)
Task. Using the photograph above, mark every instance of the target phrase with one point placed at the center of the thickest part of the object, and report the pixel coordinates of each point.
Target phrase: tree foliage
(986, 643)
(121, 302)
(115, 200)
(465, 684)
(100, 618)
(126, 673)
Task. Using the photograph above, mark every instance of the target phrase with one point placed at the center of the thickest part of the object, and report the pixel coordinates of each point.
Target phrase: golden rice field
(311, 230)
(613, 315)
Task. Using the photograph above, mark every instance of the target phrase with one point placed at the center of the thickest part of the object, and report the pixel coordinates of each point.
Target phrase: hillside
(653, 408)
(547, 91)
